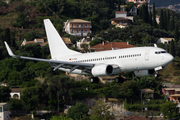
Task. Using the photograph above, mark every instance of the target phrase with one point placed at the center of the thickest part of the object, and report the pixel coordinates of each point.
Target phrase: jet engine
(102, 70)
(141, 73)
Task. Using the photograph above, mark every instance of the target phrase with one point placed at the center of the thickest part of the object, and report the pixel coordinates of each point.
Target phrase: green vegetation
(77, 112)
(21, 20)
(100, 112)
(170, 110)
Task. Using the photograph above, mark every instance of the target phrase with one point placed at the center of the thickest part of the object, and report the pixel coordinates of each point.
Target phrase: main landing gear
(119, 79)
(94, 79)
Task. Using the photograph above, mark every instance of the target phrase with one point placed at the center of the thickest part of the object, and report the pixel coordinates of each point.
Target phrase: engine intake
(102, 70)
(142, 73)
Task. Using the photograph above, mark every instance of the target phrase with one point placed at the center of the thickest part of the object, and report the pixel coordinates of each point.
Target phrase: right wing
(86, 67)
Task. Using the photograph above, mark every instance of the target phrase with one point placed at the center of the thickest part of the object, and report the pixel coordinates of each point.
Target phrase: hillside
(165, 2)
(171, 72)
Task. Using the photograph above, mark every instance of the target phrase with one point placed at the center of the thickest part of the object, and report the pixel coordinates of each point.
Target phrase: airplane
(143, 61)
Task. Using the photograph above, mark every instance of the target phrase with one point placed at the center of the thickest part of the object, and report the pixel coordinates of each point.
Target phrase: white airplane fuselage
(129, 59)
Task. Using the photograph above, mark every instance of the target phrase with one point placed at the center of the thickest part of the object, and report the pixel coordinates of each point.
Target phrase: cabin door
(147, 55)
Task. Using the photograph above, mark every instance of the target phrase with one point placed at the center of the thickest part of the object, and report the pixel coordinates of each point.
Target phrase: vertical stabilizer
(58, 48)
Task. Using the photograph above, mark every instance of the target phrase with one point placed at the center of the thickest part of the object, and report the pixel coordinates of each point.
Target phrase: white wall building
(123, 14)
(4, 111)
(77, 27)
(82, 41)
(16, 93)
(165, 40)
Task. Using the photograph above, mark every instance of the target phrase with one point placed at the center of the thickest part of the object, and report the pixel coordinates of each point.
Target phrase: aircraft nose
(170, 58)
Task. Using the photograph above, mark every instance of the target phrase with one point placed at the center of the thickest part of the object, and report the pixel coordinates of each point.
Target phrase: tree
(176, 33)
(61, 117)
(145, 15)
(172, 48)
(154, 15)
(100, 112)
(165, 21)
(15, 104)
(172, 22)
(27, 74)
(168, 20)
(7, 35)
(119, 2)
(161, 24)
(169, 109)
(78, 111)
(30, 99)
(85, 47)
(21, 20)
(4, 93)
(129, 6)
(95, 42)
(150, 18)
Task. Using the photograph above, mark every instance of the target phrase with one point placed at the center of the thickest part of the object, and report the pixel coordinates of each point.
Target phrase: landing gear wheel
(119, 80)
(156, 75)
(94, 79)
(116, 79)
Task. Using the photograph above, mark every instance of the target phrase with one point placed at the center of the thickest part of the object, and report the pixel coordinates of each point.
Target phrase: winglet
(9, 50)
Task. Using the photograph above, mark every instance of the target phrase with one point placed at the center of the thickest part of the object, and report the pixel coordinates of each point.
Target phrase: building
(123, 14)
(77, 27)
(133, 10)
(83, 41)
(109, 46)
(165, 40)
(121, 19)
(39, 41)
(4, 111)
(16, 93)
(68, 42)
(141, 2)
(121, 22)
(172, 92)
(147, 93)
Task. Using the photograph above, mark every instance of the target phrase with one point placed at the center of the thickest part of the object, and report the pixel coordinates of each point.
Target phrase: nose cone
(170, 58)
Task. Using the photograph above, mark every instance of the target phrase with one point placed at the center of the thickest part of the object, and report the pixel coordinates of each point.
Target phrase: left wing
(85, 67)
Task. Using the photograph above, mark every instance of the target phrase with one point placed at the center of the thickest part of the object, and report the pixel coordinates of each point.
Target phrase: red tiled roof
(16, 89)
(121, 11)
(135, 118)
(121, 18)
(109, 46)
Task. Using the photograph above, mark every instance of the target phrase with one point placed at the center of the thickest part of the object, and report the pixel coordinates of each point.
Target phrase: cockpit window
(163, 52)
(159, 52)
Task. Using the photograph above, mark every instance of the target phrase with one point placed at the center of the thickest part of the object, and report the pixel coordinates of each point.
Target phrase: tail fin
(57, 46)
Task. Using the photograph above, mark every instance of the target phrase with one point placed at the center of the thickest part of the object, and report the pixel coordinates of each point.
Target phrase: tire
(92, 80)
(96, 80)
(116, 79)
(121, 79)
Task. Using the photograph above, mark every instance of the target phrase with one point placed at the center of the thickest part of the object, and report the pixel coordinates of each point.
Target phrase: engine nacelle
(102, 70)
(141, 73)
